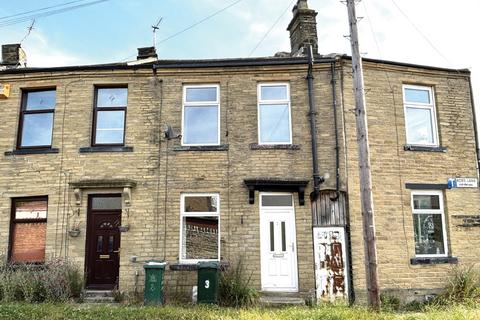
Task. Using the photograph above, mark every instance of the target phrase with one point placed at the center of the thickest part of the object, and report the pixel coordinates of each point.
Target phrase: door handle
(117, 251)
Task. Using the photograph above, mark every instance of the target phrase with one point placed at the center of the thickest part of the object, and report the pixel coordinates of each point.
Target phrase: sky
(432, 32)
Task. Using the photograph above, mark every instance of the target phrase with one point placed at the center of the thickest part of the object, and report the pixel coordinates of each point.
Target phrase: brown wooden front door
(103, 241)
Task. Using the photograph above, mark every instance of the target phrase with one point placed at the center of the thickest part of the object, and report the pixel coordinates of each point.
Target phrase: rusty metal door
(331, 274)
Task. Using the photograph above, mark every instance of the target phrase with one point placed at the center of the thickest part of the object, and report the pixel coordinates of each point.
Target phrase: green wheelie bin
(153, 293)
(208, 277)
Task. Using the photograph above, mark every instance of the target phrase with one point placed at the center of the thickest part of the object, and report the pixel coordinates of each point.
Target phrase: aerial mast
(155, 28)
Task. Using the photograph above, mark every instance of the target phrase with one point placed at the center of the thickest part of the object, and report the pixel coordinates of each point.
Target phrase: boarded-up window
(28, 230)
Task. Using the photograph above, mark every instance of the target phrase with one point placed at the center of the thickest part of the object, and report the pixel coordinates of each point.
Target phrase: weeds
(54, 281)
(463, 288)
(234, 289)
(389, 302)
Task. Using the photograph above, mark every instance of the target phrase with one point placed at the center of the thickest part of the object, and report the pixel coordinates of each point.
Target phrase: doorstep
(98, 296)
(277, 299)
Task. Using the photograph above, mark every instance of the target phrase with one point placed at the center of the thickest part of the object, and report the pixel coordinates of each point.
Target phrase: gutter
(212, 63)
(411, 65)
(335, 124)
(312, 113)
(475, 128)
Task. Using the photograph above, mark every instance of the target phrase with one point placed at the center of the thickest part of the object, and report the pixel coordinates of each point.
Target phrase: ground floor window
(199, 227)
(429, 223)
(28, 230)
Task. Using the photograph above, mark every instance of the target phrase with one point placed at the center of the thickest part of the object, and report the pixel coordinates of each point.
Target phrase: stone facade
(393, 168)
(162, 169)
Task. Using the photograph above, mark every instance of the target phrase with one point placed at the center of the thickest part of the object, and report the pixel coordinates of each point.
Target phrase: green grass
(79, 311)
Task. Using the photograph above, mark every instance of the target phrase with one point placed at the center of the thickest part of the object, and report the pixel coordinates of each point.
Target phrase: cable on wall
(67, 239)
(62, 151)
(159, 137)
(165, 203)
(228, 170)
(64, 214)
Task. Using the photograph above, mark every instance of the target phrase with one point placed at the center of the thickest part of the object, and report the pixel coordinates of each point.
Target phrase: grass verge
(75, 311)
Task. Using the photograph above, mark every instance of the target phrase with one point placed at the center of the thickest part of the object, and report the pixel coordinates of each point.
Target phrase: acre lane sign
(462, 183)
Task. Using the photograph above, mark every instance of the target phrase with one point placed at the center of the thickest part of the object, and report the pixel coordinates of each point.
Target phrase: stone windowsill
(409, 147)
(433, 260)
(182, 266)
(31, 151)
(222, 147)
(256, 146)
(105, 149)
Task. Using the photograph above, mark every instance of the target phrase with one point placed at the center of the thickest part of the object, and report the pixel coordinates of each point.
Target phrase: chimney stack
(303, 29)
(147, 52)
(13, 56)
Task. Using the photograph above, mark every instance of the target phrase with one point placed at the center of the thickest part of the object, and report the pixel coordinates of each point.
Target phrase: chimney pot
(13, 55)
(303, 29)
(146, 52)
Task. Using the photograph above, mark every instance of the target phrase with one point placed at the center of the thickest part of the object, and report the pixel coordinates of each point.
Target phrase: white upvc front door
(278, 243)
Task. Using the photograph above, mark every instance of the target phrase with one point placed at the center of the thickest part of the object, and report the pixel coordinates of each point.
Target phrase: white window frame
(270, 102)
(440, 211)
(428, 106)
(275, 194)
(200, 104)
(184, 214)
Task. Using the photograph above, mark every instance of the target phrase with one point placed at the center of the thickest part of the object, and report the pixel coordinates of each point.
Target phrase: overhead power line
(199, 22)
(271, 28)
(421, 33)
(13, 21)
(40, 9)
(191, 26)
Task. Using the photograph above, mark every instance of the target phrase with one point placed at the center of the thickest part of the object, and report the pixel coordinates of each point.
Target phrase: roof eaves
(412, 65)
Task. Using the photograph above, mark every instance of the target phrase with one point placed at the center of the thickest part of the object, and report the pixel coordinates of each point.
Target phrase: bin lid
(208, 265)
(152, 264)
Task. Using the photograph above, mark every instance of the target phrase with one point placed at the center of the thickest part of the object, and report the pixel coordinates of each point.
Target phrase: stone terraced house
(216, 160)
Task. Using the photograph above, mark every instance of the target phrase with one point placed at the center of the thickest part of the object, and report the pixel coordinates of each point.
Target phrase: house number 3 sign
(207, 284)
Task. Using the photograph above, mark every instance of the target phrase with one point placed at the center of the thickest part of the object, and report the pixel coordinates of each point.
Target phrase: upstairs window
(201, 115)
(420, 118)
(109, 116)
(429, 223)
(36, 119)
(274, 119)
(28, 230)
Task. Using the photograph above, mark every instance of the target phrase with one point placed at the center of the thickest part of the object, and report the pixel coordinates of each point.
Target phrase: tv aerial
(155, 28)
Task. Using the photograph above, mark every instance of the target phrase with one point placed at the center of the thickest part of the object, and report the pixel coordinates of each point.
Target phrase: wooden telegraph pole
(366, 196)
